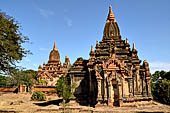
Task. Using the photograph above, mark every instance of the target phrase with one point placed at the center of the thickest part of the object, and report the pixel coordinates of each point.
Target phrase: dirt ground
(21, 103)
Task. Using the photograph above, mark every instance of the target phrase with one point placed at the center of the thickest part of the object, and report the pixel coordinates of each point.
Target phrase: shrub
(53, 92)
(38, 95)
(42, 82)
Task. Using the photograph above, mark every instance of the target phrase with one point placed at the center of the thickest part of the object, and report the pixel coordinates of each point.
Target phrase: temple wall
(52, 82)
(125, 88)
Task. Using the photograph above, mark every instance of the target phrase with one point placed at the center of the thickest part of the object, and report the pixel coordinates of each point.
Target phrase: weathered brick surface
(8, 89)
(43, 89)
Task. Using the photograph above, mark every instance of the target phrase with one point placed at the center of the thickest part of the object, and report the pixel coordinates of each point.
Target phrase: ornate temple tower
(115, 68)
(51, 71)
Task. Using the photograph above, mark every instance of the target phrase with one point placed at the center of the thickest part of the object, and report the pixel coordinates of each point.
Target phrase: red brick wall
(8, 89)
(43, 88)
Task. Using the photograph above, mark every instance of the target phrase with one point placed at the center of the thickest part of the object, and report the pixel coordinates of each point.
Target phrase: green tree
(2, 81)
(6, 81)
(42, 82)
(26, 77)
(63, 88)
(11, 40)
(160, 84)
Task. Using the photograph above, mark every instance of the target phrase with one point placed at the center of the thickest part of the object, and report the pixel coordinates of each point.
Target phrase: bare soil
(21, 103)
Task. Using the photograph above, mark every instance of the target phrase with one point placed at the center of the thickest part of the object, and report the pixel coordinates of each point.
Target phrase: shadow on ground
(2, 111)
(51, 102)
(150, 112)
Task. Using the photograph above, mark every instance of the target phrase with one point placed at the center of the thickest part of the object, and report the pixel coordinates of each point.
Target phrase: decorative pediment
(113, 63)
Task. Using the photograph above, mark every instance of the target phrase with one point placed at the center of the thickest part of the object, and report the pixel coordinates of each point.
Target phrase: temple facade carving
(113, 74)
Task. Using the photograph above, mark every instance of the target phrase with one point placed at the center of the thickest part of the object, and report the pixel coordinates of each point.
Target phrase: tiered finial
(133, 46)
(127, 40)
(97, 44)
(92, 50)
(111, 15)
(55, 48)
(40, 67)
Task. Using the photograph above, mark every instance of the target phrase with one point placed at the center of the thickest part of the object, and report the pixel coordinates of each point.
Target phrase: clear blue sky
(76, 24)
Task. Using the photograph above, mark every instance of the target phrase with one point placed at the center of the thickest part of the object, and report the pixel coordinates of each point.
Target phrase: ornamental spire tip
(111, 15)
(55, 48)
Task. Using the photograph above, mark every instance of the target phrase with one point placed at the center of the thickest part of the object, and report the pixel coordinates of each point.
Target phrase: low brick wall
(45, 89)
(8, 89)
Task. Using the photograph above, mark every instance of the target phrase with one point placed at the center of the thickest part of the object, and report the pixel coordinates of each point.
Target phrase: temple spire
(127, 40)
(133, 46)
(92, 50)
(111, 15)
(40, 67)
(55, 48)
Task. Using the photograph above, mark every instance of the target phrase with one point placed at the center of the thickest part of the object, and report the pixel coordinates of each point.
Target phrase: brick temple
(51, 71)
(113, 75)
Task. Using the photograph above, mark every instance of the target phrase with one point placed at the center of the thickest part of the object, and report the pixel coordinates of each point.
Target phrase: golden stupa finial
(134, 46)
(55, 48)
(111, 15)
(40, 66)
(92, 50)
(127, 40)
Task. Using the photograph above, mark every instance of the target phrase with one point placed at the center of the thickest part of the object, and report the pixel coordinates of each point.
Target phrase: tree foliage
(161, 86)
(2, 81)
(11, 40)
(26, 77)
(64, 87)
(42, 82)
(6, 81)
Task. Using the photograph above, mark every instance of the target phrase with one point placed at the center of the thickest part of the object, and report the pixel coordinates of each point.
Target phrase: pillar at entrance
(110, 98)
(130, 87)
(105, 87)
(120, 94)
(99, 96)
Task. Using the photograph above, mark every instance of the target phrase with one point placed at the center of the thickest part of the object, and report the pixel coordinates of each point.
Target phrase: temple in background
(113, 75)
(51, 71)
